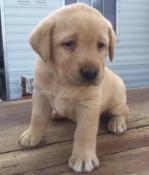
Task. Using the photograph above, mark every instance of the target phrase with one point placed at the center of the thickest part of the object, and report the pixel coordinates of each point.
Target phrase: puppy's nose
(89, 73)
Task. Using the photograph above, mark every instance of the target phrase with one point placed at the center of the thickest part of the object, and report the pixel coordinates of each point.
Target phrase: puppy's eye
(69, 44)
(100, 45)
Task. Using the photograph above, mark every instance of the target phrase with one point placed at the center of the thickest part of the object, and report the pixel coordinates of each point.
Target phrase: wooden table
(127, 154)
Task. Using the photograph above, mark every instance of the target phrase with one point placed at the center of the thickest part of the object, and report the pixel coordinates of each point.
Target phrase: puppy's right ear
(41, 39)
(112, 41)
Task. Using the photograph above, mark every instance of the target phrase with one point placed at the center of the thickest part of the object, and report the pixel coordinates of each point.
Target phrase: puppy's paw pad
(117, 125)
(28, 139)
(86, 164)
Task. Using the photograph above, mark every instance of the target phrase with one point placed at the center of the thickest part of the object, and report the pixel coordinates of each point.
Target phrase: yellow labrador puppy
(72, 80)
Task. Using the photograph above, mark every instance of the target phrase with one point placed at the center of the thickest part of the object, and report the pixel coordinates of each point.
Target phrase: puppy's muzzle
(89, 73)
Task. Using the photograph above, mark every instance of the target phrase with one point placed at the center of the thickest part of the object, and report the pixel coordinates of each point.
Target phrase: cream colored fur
(65, 41)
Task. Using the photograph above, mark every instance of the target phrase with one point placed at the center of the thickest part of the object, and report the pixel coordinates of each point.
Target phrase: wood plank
(136, 95)
(130, 162)
(15, 118)
(15, 102)
(18, 162)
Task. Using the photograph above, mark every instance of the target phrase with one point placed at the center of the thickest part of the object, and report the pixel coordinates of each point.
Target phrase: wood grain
(130, 162)
(57, 154)
(119, 155)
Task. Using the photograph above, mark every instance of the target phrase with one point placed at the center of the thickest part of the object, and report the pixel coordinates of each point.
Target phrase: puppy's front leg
(40, 116)
(84, 157)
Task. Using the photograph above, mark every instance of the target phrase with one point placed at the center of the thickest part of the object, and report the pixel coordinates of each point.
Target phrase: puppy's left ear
(112, 41)
(41, 39)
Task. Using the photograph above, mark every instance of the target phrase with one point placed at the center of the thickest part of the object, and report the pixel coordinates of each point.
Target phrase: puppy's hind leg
(118, 121)
(40, 116)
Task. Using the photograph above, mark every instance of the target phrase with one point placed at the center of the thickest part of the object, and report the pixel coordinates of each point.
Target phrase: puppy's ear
(112, 41)
(41, 39)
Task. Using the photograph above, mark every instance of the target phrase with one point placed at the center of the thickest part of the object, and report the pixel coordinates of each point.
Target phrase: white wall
(132, 52)
(20, 18)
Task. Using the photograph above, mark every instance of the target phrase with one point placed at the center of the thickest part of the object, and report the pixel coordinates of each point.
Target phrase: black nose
(89, 73)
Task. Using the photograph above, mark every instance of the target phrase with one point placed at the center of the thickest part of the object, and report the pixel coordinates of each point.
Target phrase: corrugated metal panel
(20, 18)
(132, 52)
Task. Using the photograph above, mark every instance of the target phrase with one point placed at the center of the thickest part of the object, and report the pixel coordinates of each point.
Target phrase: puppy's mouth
(90, 82)
(79, 81)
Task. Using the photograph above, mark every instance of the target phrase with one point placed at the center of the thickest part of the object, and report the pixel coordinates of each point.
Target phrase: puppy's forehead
(77, 8)
(78, 19)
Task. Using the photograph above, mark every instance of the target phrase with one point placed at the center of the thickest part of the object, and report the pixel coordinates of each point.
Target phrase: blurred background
(130, 20)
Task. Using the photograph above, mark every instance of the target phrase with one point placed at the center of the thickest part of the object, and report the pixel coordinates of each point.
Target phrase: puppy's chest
(64, 105)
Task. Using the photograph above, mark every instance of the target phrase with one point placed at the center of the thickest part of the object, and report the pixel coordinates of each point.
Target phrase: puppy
(72, 80)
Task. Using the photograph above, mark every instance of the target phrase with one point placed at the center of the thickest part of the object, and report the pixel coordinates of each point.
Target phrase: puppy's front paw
(83, 163)
(117, 125)
(30, 139)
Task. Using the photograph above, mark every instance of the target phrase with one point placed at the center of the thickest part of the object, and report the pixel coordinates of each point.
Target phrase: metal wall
(132, 52)
(20, 16)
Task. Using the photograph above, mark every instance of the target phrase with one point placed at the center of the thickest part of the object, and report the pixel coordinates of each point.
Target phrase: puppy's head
(76, 39)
